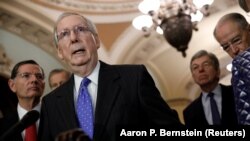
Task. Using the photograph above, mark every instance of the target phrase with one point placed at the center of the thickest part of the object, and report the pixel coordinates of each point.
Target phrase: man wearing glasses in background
(27, 81)
(233, 33)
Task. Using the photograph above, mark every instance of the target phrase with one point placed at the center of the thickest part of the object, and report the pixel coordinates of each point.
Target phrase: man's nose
(234, 49)
(73, 35)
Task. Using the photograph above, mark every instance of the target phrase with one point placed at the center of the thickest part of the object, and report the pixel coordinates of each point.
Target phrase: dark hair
(243, 5)
(212, 57)
(18, 65)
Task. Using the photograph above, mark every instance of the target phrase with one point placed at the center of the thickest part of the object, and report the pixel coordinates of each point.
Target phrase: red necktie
(30, 133)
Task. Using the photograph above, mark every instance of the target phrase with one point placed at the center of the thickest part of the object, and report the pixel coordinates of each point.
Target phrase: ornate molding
(5, 62)
(23, 25)
(94, 6)
(27, 29)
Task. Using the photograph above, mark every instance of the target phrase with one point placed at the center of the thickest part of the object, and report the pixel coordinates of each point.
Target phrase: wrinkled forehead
(70, 21)
(228, 25)
(227, 31)
(201, 59)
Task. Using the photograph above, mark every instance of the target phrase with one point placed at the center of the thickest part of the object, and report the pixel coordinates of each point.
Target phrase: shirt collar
(93, 77)
(216, 91)
(21, 111)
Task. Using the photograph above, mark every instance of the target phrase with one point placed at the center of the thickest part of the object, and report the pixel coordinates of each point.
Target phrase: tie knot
(86, 81)
(211, 95)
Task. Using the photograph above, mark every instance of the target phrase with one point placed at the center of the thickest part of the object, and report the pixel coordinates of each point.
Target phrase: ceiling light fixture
(175, 19)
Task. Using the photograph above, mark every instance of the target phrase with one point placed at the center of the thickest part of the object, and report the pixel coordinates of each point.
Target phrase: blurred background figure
(57, 77)
(245, 5)
(27, 82)
(73, 135)
(205, 69)
(8, 99)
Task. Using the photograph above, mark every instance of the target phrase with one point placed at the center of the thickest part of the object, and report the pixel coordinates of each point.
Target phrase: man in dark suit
(205, 70)
(121, 95)
(27, 81)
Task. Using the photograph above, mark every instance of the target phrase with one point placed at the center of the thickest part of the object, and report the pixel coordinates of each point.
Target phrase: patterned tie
(85, 109)
(30, 133)
(214, 109)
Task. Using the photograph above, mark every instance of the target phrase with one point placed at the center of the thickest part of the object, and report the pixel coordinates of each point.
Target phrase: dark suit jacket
(194, 115)
(126, 96)
(7, 122)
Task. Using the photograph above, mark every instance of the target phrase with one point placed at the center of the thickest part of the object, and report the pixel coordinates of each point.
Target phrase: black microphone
(28, 119)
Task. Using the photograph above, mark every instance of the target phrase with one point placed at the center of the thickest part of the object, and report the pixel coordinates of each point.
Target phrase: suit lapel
(200, 112)
(108, 89)
(67, 110)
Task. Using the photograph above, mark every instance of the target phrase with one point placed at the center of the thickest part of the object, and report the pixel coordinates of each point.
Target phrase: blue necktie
(214, 109)
(85, 109)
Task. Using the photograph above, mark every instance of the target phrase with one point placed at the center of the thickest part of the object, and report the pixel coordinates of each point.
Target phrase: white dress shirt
(92, 87)
(21, 112)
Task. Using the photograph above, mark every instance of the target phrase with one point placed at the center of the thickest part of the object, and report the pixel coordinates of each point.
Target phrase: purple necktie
(214, 109)
(85, 109)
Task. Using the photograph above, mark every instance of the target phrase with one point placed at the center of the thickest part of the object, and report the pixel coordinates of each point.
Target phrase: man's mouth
(34, 88)
(79, 51)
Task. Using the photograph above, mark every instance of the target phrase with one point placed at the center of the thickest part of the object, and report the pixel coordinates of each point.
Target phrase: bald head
(235, 18)
(232, 32)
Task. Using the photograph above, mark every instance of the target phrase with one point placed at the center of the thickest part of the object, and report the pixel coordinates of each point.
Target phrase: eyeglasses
(79, 30)
(27, 75)
(204, 65)
(234, 42)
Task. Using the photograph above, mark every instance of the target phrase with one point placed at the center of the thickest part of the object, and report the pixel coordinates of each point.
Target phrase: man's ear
(96, 39)
(59, 53)
(12, 85)
(218, 73)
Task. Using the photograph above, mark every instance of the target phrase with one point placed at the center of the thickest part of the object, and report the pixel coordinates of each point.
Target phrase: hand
(72, 135)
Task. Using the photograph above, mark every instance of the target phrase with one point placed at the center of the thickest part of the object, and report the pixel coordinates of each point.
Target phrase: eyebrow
(235, 37)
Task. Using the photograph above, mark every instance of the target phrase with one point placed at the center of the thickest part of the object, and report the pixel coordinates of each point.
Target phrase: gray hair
(237, 18)
(212, 57)
(90, 25)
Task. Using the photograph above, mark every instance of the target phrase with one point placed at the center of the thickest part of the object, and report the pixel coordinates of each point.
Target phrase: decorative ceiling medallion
(92, 7)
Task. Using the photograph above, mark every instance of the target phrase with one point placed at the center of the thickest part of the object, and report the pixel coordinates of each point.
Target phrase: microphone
(28, 119)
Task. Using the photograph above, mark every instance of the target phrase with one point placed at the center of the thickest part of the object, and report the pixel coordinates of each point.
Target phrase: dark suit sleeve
(153, 104)
(187, 117)
(43, 132)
